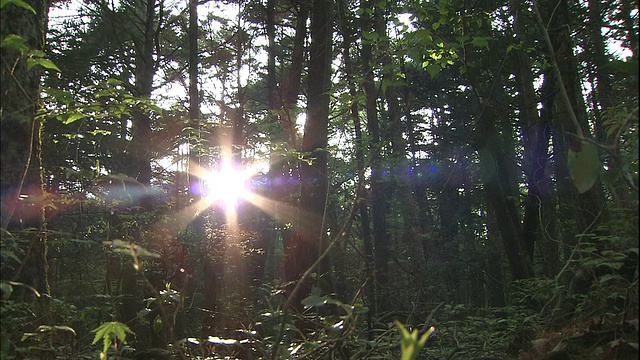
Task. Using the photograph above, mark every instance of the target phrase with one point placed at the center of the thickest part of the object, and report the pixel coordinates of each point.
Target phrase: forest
(319, 179)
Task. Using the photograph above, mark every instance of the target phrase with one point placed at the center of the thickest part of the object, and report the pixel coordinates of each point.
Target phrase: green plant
(112, 332)
(410, 345)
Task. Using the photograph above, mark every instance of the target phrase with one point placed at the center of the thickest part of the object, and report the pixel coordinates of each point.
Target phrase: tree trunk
(377, 188)
(20, 133)
(494, 261)
(302, 249)
(497, 180)
(540, 221)
(589, 207)
(346, 22)
(628, 13)
(139, 156)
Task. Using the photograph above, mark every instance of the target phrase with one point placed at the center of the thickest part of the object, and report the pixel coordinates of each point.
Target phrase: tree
(23, 38)
(539, 221)
(304, 246)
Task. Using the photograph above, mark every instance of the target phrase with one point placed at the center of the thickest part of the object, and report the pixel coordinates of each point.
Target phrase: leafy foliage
(111, 333)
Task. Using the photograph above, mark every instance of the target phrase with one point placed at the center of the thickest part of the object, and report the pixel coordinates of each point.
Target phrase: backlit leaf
(584, 166)
(15, 42)
(20, 3)
(73, 117)
(45, 63)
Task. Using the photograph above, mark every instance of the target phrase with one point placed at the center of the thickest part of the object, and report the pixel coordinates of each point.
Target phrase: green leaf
(114, 82)
(410, 346)
(125, 247)
(370, 35)
(609, 176)
(314, 300)
(423, 36)
(73, 117)
(15, 42)
(481, 41)
(408, 352)
(11, 255)
(109, 330)
(155, 108)
(625, 67)
(157, 324)
(584, 166)
(608, 277)
(7, 289)
(45, 63)
(46, 328)
(433, 70)
(15, 283)
(20, 3)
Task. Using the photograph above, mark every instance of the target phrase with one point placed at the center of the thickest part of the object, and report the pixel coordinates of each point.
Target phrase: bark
(539, 222)
(363, 211)
(194, 100)
(378, 204)
(270, 25)
(286, 95)
(401, 170)
(448, 249)
(20, 133)
(630, 26)
(145, 69)
(494, 261)
(283, 172)
(138, 157)
(495, 161)
(602, 96)
(302, 249)
(589, 207)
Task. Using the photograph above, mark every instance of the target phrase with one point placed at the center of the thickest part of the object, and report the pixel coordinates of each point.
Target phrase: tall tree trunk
(194, 100)
(139, 155)
(448, 246)
(289, 89)
(378, 204)
(401, 170)
(346, 23)
(497, 178)
(494, 262)
(602, 98)
(630, 26)
(540, 220)
(589, 207)
(302, 249)
(400, 167)
(20, 133)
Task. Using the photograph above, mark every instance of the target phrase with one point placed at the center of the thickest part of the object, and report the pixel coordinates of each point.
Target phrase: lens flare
(226, 184)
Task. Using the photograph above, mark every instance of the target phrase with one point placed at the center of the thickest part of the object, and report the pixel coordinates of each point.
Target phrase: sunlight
(227, 184)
